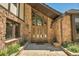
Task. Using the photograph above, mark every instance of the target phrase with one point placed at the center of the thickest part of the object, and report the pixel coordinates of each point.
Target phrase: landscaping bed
(10, 49)
(21, 48)
(72, 49)
(13, 49)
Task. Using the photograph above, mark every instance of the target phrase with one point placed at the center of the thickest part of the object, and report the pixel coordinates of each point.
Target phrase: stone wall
(28, 21)
(66, 28)
(57, 31)
(62, 29)
(4, 15)
(50, 30)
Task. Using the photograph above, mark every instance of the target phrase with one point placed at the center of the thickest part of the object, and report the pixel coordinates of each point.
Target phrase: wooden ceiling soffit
(45, 9)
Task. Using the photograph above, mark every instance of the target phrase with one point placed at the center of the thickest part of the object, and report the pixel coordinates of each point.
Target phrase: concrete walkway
(45, 49)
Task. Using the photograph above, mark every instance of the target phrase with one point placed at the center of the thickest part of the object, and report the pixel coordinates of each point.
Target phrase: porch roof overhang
(72, 11)
(45, 9)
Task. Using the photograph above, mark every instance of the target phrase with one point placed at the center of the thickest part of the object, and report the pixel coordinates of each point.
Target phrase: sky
(62, 7)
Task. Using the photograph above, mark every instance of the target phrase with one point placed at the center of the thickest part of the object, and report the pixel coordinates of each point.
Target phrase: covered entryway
(40, 18)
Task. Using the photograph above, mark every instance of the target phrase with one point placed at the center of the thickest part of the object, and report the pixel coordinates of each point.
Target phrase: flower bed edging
(69, 52)
(20, 49)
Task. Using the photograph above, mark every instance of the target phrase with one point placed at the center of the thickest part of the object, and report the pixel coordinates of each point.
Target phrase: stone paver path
(46, 49)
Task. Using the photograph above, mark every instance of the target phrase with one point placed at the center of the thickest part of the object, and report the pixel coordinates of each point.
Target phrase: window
(21, 11)
(15, 4)
(76, 18)
(77, 27)
(9, 30)
(77, 24)
(14, 8)
(12, 29)
(17, 30)
(37, 20)
(5, 5)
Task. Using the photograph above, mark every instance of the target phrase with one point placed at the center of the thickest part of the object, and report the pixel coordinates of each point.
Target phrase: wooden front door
(39, 29)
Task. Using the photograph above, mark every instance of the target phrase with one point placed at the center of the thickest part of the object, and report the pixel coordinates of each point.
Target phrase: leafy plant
(73, 47)
(9, 50)
(3, 52)
(13, 48)
(65, 44)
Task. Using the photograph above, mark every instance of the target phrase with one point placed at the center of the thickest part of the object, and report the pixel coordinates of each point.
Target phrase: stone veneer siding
(62, 29)
(57, 31)
(66, 28)
(28, 21)
(4, 14)
(50, 30)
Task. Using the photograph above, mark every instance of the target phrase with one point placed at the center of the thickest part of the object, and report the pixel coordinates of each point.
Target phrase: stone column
(28, 20)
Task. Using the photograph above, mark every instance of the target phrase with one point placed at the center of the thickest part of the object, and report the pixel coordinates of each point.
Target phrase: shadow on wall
(54, 40)
(23, 41)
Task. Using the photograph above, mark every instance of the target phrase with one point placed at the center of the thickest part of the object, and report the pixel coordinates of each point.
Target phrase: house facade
(37, 23)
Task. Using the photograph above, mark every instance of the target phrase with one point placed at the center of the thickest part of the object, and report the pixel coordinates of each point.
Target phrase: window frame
(13, 30)
(76, 16)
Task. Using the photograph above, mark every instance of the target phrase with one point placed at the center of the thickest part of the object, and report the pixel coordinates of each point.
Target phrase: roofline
(66, 12)
(45, 5)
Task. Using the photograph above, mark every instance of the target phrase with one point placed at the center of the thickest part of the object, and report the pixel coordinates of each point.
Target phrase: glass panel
(13, 9)
(34, 21)
(17, 30)
(12, 29)
(21, 11)
(77, 24)
(77, 27)
(15, 4)
(37, 20)
(9, 30)
(5, 5)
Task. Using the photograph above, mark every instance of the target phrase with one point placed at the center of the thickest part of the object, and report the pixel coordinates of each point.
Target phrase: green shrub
(65, 44)
(3, 52)
(73, 47)
(9, 50)
(12, 48)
